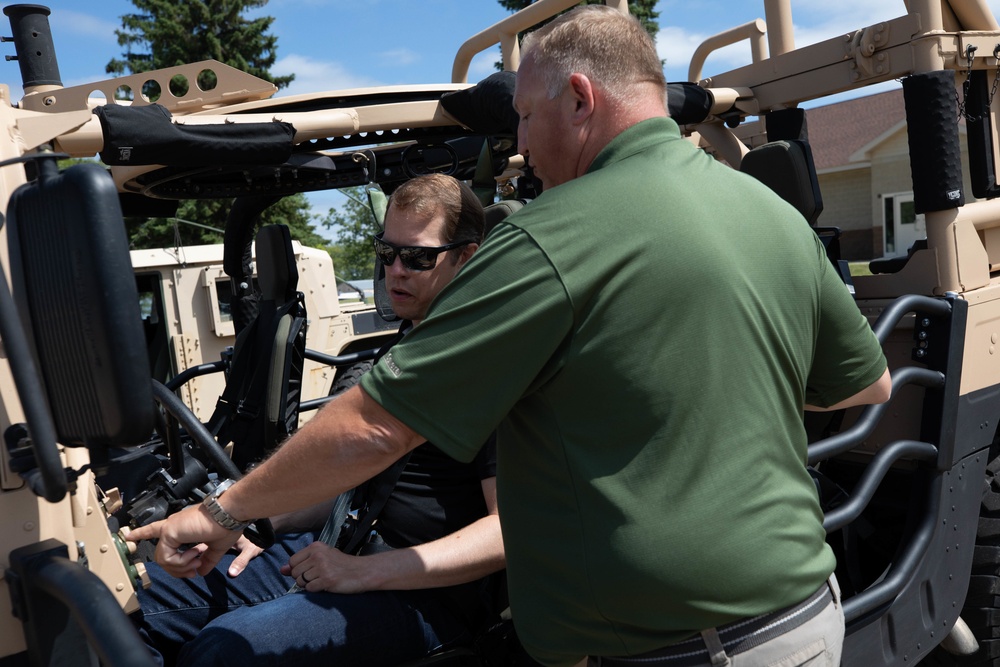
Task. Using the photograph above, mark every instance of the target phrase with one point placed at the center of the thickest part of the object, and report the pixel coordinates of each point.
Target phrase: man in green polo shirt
(645, 336)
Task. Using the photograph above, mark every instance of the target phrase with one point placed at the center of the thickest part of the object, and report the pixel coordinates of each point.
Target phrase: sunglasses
(413, 257)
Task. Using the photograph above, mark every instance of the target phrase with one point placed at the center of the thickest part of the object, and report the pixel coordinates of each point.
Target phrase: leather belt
(736, 637)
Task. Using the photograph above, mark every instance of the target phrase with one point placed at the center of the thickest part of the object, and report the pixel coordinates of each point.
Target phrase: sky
(334, 44)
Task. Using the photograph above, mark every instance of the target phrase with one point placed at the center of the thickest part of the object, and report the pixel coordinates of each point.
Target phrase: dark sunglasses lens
(385, 253)
(418, 259)
(413, 258)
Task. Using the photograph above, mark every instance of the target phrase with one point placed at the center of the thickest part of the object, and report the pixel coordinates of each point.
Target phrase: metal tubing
(724, 141)
(982, 214)
(974, 15)
(926, 55)
(753, 31)
(34, 402)
(780, 38)
(869, 418)
(342, 360)
(201, 435)
(901, 572)
(894, 313)
(865, 489)
(504, 32)
(931, 14)
(174, 383)
(92, 605)
(315, 403)
(962, 261)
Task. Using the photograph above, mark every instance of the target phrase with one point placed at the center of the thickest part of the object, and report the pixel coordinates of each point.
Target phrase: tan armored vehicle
(912, 508)
(185, 300)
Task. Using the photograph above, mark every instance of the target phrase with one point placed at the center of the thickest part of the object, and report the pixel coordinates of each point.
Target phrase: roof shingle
(836, 131)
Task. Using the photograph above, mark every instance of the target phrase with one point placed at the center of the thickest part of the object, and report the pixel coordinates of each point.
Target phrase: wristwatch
(217, 512)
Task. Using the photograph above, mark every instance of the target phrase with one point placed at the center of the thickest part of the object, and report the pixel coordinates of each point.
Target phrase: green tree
(353, 257)
(203, 221)
(644, 10)
(165, 33)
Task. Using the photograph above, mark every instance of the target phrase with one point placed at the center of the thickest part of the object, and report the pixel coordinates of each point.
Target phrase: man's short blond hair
(611, 48)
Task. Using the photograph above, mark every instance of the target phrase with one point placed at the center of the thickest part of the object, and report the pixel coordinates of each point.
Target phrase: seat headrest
(276, 273)
(495, 213)
(787, 168)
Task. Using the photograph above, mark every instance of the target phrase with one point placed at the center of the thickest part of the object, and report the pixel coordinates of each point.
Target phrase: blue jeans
(252, 620)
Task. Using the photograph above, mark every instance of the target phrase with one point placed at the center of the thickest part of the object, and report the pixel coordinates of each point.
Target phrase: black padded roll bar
(36, 55)
(55, 598)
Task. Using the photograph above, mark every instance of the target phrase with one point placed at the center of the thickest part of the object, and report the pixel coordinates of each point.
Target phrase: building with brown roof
(862, 159)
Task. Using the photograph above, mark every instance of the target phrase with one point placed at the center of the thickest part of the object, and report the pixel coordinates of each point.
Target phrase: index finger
(147, 532)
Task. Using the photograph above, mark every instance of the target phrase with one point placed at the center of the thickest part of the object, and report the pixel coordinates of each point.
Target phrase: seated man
(421, 584)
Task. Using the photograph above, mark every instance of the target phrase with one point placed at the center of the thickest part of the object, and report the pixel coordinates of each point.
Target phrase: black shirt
(435, 495)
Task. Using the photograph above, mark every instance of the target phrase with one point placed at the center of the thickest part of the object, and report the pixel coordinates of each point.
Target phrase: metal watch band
(217, 512)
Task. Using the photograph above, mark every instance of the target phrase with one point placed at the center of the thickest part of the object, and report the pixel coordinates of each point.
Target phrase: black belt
(736, 637)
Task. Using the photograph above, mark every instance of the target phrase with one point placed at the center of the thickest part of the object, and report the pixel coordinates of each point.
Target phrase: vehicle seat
(495, 213)
(259, 407)
(787, 168)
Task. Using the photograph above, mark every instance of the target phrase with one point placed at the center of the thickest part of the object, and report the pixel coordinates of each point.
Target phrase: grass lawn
(859, 268)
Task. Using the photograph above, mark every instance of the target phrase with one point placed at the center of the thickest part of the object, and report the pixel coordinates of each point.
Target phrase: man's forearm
(306, 519)
(877, 392)
(347, 442)
(466, 555)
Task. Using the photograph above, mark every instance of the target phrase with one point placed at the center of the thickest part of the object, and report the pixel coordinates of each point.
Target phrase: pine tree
(165, 33)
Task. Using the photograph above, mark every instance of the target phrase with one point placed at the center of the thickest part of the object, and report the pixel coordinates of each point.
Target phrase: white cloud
(483, 64)
(819, 20)
(399, 57)
(676, 46)
(316, 75)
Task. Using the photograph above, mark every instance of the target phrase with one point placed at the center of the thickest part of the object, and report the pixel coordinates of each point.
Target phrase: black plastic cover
(148, 135)
(73, 280)
(36, 55)
(688, 103)
(486, 107)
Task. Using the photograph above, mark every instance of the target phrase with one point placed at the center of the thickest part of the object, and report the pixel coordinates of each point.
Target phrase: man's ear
(583, 94)
(467, 253)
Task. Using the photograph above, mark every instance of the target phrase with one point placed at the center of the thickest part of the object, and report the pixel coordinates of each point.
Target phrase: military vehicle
(185, 300)
(910, 489)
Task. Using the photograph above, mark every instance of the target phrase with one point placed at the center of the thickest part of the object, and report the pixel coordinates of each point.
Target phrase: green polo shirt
(644, 337)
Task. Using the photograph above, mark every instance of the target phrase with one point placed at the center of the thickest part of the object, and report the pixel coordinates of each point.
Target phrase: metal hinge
(864, 46)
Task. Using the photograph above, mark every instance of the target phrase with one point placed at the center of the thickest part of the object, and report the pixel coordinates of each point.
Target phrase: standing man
(646, 334)
(417, 584)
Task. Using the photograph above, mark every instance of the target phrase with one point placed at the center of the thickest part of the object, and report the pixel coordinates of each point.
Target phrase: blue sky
(331, 44)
